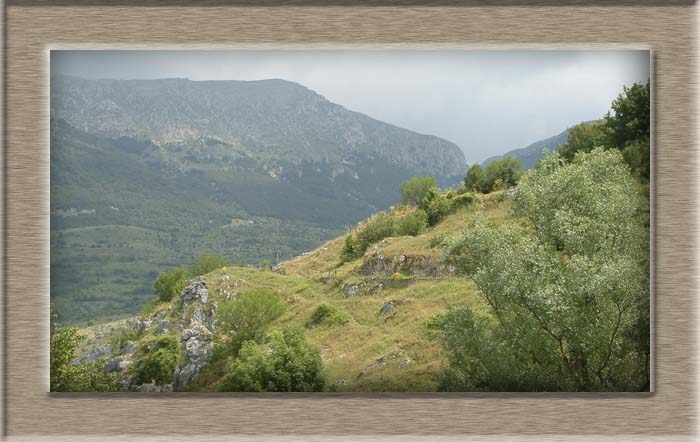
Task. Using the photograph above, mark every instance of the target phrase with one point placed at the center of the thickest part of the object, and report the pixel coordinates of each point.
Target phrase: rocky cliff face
(277, 122)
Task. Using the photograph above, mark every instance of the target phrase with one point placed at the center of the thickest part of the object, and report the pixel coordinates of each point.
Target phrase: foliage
(380, 226)
(156, 358)
(169, 284)
(507, 170)
(412, 223)
(284, 363)
(414, 190)
(326, 314)
(265, 265)
(627, 127)
(350, 250)
(203, 264)
(585, 137)
(121, 338)
(568, 291)
(436, 206)
(68, 376)
(475, 179)
(462, 200)
(247, 317)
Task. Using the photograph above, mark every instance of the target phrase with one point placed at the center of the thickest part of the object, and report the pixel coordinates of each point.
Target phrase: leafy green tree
(65, 375)
(569, 290)
(284, 363)
(203, 264)
(169, 284)
(475, 179)
(156, 359)
(507, 170)
(585, 137)
(630, 119)
(247, 317)
(414, 190)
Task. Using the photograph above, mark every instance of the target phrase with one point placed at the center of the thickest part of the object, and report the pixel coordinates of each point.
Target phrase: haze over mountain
(146, 173)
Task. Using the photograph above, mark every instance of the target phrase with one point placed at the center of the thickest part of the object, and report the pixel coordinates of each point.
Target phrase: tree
(507, 170)
(474, 180)
(350, 249)
(67, 375)
(414, 190)
(247, 317)
(568, 289)
(203, 264)
(170, 283)
(284, 363)
(585, 137)
(630, 119)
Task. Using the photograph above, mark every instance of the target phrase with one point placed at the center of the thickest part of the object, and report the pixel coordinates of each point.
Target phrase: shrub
(414, 190)
(265, 265)
(435, 205)
(284, 363)
(326, 314)
(247, 317)
(203, 264)
(122, 337)
(156, 359)
(350, 249)
(463, 199)
(413, 223)
(378, 227)
(170, 283)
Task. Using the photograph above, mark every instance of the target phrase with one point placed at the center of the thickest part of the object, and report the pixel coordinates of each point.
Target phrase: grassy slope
(413, 358)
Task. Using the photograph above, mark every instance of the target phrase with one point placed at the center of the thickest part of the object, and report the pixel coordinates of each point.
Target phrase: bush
(169, 284)
(414, 190)
(351, 250)
(435, 205)
(122, 337)
(326, 314)
(463, 200)
(413, 223)
(285, 363)
(156, 359)
(203, 264)
(380, 226)
(247, 317)
(67, 376)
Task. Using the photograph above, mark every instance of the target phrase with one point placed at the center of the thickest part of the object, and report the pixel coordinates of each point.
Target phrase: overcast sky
(487, 102)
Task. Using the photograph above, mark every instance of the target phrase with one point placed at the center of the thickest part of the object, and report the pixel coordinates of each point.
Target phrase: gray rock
(387, 309)
(94, 355)
(197, 291)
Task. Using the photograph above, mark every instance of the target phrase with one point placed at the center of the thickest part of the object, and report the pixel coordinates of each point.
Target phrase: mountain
(145, 174)
(531, 154)
(373, 334)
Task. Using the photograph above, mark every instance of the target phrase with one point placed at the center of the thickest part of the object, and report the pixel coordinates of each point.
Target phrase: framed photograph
(235, 221)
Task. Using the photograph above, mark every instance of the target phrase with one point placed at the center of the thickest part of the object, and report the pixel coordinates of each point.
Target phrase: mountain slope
(145, 174)
(280, 123)
(388, 297)
(531, 154)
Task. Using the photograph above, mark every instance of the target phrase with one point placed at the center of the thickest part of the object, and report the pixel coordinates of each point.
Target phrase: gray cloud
(487, 102)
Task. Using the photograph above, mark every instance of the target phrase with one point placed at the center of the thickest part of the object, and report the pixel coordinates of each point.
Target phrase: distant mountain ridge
(531, 154)
(277, 122)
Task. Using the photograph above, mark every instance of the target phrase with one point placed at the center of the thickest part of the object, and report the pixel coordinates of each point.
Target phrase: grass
(364, 351)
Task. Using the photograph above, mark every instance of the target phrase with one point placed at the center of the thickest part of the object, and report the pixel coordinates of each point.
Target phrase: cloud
(487, 102)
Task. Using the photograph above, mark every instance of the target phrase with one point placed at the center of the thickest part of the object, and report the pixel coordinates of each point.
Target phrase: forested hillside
(147, 174)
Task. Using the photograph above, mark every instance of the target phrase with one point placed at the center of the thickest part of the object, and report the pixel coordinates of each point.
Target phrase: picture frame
(34, 27)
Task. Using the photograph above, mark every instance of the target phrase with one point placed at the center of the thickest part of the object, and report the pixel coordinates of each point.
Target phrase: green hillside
(371, 351)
